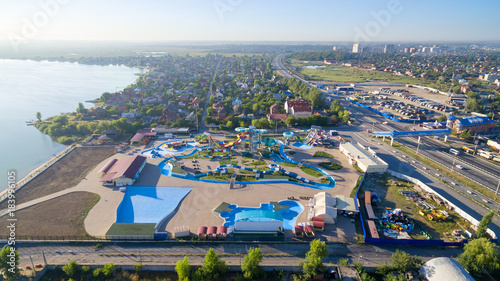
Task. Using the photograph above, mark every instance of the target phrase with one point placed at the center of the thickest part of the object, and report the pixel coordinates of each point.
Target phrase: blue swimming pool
(149, 204)
(289, 215)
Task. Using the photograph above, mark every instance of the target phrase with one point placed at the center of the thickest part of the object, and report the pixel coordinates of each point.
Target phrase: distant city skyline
(238, 20)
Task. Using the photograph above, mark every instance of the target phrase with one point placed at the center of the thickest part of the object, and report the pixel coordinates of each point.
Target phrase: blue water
(289, 215)
(303, 146)
(50, 88)
(164, 151)
(149, 204)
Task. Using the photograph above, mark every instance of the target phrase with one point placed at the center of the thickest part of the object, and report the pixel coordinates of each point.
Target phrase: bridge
(395, 134)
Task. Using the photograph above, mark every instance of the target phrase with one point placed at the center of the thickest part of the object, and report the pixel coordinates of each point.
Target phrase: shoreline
(37, 171)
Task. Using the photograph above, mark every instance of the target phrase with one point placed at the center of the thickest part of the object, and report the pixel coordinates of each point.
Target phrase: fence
(359, 209)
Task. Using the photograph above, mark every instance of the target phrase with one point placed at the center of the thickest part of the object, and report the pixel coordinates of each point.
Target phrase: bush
(330, 166)
(183, 269)
(322, 154)
(343, 262)
(71, 269)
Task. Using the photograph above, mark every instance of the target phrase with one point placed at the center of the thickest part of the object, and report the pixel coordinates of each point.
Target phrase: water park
(187, 182)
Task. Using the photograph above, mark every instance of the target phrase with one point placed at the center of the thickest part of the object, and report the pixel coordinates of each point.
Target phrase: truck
(486, 154)
(468, 150)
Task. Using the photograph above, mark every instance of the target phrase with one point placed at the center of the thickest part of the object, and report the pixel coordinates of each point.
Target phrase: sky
(250, 20)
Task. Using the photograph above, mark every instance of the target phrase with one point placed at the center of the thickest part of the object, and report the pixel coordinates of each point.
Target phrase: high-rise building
(335, 48)
(407, 50)
(389, 48)
(356, 48)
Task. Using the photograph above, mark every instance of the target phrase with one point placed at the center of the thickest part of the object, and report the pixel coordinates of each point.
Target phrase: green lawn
(225, 162)
(330, 166)
(131, 229)
(311, 171)
(286, 164)
(322, 154)
(176, 168)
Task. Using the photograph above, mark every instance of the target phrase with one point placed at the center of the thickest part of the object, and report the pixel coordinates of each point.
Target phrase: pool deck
(196, 208)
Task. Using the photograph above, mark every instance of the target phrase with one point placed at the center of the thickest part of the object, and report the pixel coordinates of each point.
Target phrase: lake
(27, 87)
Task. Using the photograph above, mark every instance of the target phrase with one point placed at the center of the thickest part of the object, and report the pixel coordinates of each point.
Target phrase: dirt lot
(65, 173)
(388, 189)
(64, 214)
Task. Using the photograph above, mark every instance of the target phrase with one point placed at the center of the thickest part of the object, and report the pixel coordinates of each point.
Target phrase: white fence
(459, 211)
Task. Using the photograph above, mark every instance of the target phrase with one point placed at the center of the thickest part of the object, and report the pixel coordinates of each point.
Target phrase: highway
(475, 168)
(435, 150)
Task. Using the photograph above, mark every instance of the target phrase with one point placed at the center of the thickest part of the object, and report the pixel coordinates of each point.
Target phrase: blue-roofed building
(476, 124)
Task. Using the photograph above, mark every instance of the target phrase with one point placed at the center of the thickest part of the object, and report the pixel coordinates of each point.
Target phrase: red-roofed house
(124, 171)
(196, 102)
(298, 108)
(274, 109)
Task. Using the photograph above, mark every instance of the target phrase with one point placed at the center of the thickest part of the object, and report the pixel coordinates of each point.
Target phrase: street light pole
(498, 186)
(418, 144)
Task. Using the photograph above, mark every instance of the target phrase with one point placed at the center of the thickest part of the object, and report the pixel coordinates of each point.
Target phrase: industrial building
(122, 172)
(364, 157)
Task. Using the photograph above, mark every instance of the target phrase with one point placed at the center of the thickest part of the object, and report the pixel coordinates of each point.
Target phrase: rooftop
(360, 154)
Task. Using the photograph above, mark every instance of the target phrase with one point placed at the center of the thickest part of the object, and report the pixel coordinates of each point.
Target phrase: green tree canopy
(71, 268)
(478, 254)
(402, 261)
(483, 225)
(312, 265)
(183, 269)
(9, 261)
(251, 265)
(213, 267)
(39, 116)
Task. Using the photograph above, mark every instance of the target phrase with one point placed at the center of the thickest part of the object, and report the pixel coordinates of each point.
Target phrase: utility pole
(454, 160)
(418, 143)
(498, 186)
(373, 126)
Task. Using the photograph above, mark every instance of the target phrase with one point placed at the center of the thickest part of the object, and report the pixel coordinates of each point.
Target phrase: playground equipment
(287, 136)
(434, 215)
(201, 138)
(396, 220)
(240, 137)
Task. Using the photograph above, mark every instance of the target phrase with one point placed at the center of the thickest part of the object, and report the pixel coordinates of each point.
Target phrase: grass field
(345, 74)
(322, 154)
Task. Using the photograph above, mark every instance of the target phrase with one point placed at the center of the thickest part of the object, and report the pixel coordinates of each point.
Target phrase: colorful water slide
(201, 138)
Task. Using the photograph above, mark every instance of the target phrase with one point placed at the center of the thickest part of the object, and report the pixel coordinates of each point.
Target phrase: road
(475, 168)
(275, 254)
(203, 126)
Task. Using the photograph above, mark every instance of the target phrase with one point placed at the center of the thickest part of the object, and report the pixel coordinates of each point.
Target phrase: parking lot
(410, 103)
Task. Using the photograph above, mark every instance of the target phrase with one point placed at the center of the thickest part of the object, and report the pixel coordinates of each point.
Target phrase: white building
(364, 157)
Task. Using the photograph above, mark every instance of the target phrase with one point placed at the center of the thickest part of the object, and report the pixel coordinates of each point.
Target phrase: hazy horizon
(249, 21)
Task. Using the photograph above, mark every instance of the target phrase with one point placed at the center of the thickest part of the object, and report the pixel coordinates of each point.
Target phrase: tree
(9, 260)
(138, 267)
(39, 116)
(213, 267)
(312, 265)
(105, 96)
(230, 125)
(71, 268)
(183, 269)
(250, 267)
(108, 269)
(483, 225)
(465, 134)
(81, 109)
(402, 261)
(479, 254)
(442, 118)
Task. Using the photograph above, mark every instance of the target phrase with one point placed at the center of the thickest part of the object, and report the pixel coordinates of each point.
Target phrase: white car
(385, 123)
(460, 167)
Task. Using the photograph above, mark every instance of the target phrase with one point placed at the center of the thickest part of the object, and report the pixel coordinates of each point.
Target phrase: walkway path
(203, 125)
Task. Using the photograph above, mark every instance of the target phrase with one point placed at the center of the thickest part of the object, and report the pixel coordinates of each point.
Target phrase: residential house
(98, 112)
(218, 106)
(298, 108)
(195, 103)
(277, 97)
(237, 102)
(274, 109)
(171, 112)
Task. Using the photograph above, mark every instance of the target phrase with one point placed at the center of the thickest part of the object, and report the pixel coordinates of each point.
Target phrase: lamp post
(498, 186)
(418, 144)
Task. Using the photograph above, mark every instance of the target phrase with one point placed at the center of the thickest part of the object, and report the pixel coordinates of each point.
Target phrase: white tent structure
(325, 199)
(329, 214)
(440, 269)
